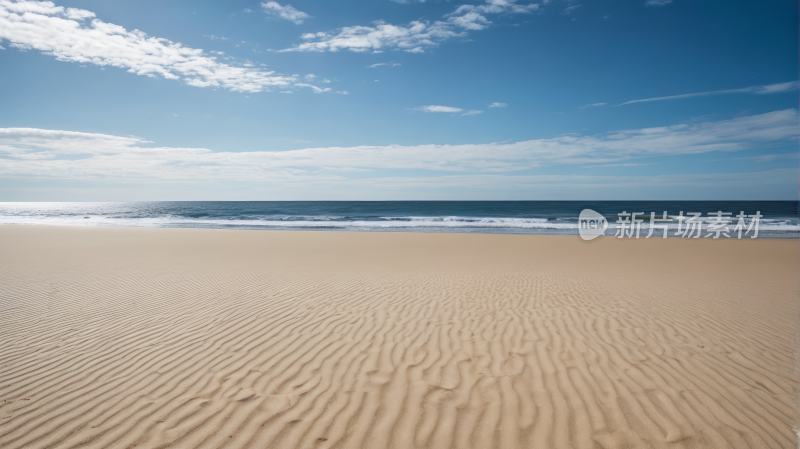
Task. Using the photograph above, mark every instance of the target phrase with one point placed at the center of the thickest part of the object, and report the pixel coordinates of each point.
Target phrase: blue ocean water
(780, 218)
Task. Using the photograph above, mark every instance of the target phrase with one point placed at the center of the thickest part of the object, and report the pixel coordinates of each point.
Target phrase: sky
(122, 100)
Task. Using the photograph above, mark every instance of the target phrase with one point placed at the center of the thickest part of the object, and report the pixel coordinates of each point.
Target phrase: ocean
(779, 218)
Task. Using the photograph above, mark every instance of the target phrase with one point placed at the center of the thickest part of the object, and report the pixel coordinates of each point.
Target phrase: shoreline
(473, 230)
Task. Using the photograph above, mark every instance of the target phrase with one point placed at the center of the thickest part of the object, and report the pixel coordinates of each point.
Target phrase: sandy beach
(143, 337)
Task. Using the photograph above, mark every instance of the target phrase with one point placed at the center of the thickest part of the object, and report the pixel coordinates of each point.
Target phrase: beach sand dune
(125, 337)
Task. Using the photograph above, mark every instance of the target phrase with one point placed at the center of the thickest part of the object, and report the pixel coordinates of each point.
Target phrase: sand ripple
(200, 338)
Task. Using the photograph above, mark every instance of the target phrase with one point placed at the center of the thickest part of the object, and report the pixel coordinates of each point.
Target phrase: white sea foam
(444, 223)
(310, 222)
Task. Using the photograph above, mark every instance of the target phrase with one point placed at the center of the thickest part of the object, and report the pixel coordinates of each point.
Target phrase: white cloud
(79, 14)
(496, 7)
(62, 33)
(436, 108)
(415, 37)
(248, 10)
(760, 90)
(498, 105)
(50, 154)
(657, 2)
(361, 39)
(472, 113)
(317, 90)
(593, 105)
(310, 77)
(569, 9)
(773, 88)
(388, 64)
(313, 35)
(287, 12)
(470, 21)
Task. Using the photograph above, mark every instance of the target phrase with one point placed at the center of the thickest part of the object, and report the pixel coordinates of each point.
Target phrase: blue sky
(347, 100)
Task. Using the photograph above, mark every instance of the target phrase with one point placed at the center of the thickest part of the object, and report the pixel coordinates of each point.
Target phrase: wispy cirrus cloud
(437, 108)
(593, 105)
(415, 37)
(495, 7)
(54, 154)
(472, 112)
(758, 90)
(69, 35)
(657, 2)
(216, 38)
(319, 90)
(287, 12)
(498, 105)
(387, 64)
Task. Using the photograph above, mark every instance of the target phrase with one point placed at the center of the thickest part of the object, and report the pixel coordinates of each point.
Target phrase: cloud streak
(413, 38)
(69, 35)
(52, 154)
(437, 108)
(287, 12)
(759, 90)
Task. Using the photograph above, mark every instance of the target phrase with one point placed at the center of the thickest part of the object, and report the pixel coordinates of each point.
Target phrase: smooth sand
(120, 337)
